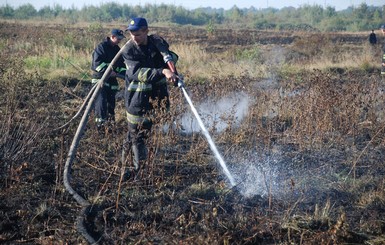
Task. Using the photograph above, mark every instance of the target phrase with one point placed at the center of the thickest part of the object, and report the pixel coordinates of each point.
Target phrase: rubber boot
(125, 171)
(135, 152)
(101, 127)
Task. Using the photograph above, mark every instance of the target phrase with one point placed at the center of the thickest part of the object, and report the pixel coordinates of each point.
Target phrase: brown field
(297, 117)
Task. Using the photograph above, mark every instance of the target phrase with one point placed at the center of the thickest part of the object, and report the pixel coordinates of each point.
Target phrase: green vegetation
(307, 17)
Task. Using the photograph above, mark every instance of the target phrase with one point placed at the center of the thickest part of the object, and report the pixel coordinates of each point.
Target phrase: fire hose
(85, 102)
(86, 205)
(73, 148)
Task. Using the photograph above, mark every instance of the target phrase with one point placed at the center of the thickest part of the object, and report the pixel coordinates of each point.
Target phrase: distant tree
(25, 11)
(210, 28)
(7, 12)
(70, 16)
(111, 11)
(330, 12)
(92, 13)
(288, 13)
(160, 13)
(182, 16)
(200, 17)
(138, 11)
(361, 12)
(306, 17)
(127, 12)
(217, 18)
(311, 14)
(152, 13)
(377, 19)
(263, 24)
(58, 9)
(335, 23)
(46, 12)
(234, 14)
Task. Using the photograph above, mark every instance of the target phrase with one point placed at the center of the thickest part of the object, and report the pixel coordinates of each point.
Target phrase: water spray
(206, 133)
(168, 59)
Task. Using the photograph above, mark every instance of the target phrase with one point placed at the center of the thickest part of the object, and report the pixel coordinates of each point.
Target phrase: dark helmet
(383, 27)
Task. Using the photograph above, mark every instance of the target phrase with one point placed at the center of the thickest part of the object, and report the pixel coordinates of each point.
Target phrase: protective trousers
(105, 102)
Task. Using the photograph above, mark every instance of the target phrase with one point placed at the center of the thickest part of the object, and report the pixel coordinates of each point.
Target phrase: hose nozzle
(180, 82)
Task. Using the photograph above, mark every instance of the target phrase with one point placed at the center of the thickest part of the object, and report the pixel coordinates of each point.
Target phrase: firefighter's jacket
(102, 56)
(144, 79)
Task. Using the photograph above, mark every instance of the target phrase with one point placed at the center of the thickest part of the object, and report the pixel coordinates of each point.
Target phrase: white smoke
(219, 114)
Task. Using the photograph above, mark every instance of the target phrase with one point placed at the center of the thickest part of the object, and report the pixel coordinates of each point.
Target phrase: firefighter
(147, 74)
(372, 38)
(102, 55)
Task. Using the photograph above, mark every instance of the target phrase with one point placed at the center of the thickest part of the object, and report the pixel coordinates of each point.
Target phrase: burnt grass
(311, 174)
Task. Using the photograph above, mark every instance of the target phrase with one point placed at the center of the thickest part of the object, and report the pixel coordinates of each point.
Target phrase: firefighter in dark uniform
(372, 38)
(146, 78)
(103, 54)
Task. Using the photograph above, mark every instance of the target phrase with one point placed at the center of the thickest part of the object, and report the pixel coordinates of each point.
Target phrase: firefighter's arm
(98, 60)
(120, 68)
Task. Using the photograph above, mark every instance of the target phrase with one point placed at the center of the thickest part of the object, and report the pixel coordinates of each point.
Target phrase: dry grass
(204, 60)
(313, 133)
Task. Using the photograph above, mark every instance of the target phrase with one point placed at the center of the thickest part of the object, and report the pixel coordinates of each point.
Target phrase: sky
(192, 4)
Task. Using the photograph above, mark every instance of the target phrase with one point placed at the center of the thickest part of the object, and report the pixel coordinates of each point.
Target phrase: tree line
(307, 17)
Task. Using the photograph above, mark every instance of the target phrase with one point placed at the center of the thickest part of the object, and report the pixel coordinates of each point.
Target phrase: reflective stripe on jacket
(113, 86)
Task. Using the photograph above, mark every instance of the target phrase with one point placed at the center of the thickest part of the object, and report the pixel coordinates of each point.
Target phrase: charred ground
(319, 159)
